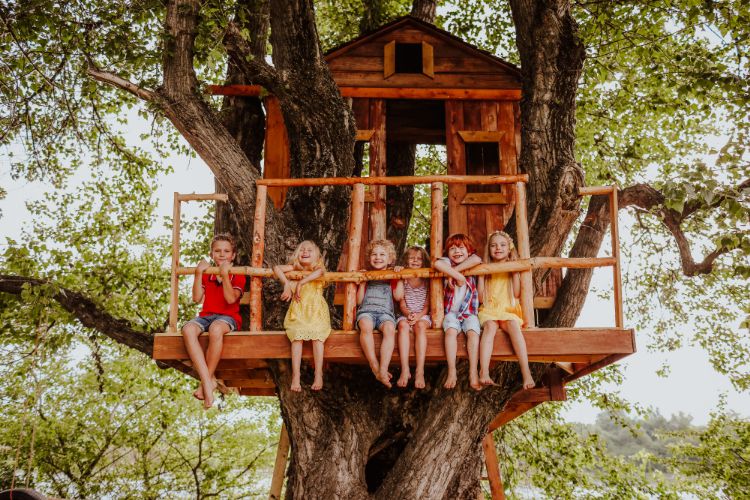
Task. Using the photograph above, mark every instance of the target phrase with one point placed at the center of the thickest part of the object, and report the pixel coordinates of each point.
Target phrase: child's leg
(420, 347)
(216, 332)
(296, 385)
(451, 345)
(403, 353)
(486, 344)
(318, 349)
(472, 346)
(190, 334)
(519, 345)
(388, 329)
(368, 344)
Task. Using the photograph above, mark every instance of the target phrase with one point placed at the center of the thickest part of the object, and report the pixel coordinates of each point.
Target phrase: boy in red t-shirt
(219, 315)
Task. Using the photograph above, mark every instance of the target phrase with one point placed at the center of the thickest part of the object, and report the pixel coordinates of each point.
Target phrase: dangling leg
(368, 344)
(472, 345)
(388, 329)
(486, 344)
(420, 347)
(190, 334)
(296, 385)
(519, 345)
(451, 345)
(216, 332)
(318, 349)
(403, 353)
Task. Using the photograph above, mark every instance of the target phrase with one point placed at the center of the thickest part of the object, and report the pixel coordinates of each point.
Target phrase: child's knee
(217, 330)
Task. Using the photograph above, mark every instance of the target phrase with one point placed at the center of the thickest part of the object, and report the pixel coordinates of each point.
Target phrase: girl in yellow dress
(308, 317)
(499, 294)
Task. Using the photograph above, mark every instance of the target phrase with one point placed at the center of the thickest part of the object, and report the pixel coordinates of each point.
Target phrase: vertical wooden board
(276, 157)
(428, 60)
(389, 59)
(454, 121)
(476, 225)
(506, 122)
(361, 112)
(377, 167)
(517, 128)
(472, 115)
(488, 112)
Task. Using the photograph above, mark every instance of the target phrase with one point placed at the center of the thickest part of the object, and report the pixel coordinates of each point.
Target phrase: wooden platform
(243, 364)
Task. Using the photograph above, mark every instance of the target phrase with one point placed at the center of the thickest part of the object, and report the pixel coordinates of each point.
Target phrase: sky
(692, 386)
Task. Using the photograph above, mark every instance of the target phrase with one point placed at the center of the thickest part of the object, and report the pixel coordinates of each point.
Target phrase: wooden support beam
(616, 277)
(493, 467)
(511, 411)
(388, 92)
(356, 221)
(543, 344)
(174, 280)
(597, 365)
(522, 232)
(397, 180)
(256, 259)
(436, 251)
(279, 467)
(202, 197)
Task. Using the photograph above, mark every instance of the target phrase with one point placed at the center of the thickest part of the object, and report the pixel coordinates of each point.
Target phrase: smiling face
(308, 254)
(499, 248)
(221, 252)
(414, 259)
(379, 258)
(458, 253)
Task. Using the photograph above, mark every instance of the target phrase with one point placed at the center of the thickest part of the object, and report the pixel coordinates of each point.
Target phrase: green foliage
(95, 421)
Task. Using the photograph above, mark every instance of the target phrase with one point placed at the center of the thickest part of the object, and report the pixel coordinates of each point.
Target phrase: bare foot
(198, 393)
(450, 381)
(528, 382)
(385, 379)
(317, 383)
(208, 399)
(485, 379)
(419, 380)
(296, 385)
(474, 380)
(403, 380)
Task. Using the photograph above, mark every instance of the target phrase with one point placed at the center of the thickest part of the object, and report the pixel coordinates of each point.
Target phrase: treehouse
(412, 83)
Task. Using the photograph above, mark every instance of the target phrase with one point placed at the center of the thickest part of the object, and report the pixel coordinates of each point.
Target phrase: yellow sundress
(309, 318)
(500, 304)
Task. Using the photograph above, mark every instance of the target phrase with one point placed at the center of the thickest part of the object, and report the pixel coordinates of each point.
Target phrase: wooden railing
(524, 265)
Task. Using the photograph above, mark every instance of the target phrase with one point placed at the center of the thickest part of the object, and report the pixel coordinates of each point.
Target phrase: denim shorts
(205, 321)
(464, 325)
(377, 318)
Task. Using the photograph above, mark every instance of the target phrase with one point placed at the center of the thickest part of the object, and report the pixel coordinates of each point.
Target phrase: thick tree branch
(424, 10)
(254, 69)
(572, 293)
(86, 311)
(120, 83)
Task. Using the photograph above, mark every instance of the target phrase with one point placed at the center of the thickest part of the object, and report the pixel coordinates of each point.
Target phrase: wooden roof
(457, 64)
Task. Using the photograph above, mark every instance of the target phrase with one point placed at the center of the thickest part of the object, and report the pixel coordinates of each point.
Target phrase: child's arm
(361, 292)
(279, 272)
(480, 288)
(231, 294)
(516, 277)
(404, 308)
(444, 266)
(471, 261)
(307, 279)
(398, 293)
(198, 281)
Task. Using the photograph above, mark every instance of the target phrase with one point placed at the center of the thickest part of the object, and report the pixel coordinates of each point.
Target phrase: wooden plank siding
(276, 154)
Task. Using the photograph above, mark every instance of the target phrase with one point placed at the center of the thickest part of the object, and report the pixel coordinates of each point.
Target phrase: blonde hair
(387, 244)
(419, 250)
(318, 264)
(512, 255)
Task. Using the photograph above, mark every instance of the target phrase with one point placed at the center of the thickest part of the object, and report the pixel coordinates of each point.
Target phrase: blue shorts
(205, 321)
(462, 325)
(377, 318)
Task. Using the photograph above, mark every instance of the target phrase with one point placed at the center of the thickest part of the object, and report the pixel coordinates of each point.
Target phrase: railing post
(174, 280)
(353, 251)
(256, 260)
(493, 467)
(616, 277)
(279, 467)
(527, 284)
(436, 250)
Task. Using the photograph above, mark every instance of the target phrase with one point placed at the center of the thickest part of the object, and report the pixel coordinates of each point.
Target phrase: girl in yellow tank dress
(308, 317)
(499, 294)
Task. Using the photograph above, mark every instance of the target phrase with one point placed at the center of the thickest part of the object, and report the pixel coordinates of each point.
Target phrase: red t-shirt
(213, 296)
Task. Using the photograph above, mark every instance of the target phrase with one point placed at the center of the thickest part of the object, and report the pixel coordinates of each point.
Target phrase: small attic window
(408, 58)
